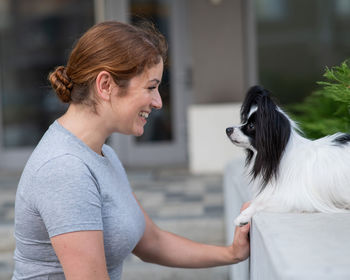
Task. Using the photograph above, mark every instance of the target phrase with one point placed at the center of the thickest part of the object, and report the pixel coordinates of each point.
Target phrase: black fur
(271, 135)
(342, 139)
(252, 98)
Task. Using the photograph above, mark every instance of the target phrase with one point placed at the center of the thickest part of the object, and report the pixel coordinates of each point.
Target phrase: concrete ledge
(287, 246)
(300, 246)
(236, 192)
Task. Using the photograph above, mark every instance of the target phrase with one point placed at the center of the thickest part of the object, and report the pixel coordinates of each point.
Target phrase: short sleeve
(67, 196)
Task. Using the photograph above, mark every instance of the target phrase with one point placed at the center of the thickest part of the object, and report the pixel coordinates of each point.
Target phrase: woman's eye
(152, 88)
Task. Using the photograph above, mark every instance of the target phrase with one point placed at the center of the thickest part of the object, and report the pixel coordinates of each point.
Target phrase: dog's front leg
(246, 215)
(258, 204)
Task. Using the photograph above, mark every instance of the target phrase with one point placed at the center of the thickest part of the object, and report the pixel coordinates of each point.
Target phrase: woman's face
(131, 110)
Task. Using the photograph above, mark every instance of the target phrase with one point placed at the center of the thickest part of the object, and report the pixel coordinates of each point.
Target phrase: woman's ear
(104, 85)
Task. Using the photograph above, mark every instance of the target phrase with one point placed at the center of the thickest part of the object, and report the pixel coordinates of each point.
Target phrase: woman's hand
(241, 243)
(164, 248)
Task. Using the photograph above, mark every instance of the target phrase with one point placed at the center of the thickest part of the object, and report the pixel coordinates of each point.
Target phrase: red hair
(121, 49)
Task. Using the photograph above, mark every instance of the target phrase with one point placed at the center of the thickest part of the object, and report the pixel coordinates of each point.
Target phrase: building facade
(217, 49)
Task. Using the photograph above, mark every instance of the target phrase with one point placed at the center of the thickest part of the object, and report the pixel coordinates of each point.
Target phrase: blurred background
(217, 50)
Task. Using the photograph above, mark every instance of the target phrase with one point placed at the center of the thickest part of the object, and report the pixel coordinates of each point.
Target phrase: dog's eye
(251, 126)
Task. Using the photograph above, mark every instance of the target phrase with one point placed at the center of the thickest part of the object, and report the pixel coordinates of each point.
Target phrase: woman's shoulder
(61, 148)
(48, 178)
(60, 168)
(45, 159)
(64, 162)
(52, 145)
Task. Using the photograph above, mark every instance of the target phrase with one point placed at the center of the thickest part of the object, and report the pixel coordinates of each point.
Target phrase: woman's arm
(164, 248)
(81, 255)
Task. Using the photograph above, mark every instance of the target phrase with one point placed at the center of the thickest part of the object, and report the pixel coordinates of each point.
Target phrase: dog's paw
(242, 219)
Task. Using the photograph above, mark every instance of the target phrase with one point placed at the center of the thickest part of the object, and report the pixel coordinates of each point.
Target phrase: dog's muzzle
(229, 131)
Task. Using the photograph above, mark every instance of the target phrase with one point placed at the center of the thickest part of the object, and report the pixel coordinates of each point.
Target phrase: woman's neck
(86, 125)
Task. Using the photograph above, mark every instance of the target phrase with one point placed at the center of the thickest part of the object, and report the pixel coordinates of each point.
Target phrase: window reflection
(342, 8)
(293, 52)
(272, 10)
(35, 36)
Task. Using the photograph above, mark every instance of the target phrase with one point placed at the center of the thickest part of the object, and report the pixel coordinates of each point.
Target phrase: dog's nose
(229, 131)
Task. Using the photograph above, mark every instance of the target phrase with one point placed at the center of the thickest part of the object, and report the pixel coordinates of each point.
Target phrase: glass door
(164, 140)
(159, 127)
(35, 36)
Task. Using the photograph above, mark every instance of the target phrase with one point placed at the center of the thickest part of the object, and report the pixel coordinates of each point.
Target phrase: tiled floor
(174, 196)
(8, 182)
(188, 205)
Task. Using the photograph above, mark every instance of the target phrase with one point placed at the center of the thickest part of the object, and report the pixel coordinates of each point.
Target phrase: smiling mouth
(144, 115)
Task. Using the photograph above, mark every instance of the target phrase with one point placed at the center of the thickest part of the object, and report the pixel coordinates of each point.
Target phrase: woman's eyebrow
(155, 80)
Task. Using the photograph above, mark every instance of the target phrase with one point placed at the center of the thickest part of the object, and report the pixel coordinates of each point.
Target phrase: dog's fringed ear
(252, 98)
(272, 134)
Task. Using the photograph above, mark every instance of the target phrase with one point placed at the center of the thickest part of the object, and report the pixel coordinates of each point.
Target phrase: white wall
(218, 52)
(209, 147)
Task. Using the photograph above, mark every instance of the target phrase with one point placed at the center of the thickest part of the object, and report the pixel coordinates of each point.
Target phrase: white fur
(313, 176)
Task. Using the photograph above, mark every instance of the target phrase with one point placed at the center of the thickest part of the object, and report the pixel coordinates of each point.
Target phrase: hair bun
(61, 83)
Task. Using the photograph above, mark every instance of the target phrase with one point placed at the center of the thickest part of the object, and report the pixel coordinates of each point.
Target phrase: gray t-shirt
(67, 187)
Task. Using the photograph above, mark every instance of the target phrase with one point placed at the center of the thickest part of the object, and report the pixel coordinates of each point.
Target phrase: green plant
(326, 110)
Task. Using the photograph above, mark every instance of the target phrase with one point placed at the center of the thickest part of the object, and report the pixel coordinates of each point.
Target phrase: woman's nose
(157, 101)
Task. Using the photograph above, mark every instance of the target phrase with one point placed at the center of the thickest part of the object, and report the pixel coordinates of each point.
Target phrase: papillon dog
(289, 173)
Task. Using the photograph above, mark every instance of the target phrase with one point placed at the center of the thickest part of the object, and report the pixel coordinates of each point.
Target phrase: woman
(76, 216)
